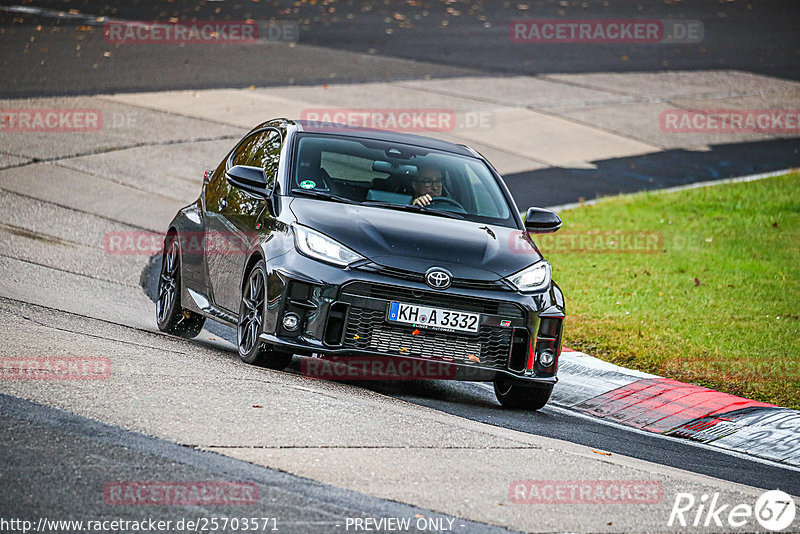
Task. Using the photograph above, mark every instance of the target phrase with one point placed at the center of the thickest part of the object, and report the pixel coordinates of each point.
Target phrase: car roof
(381, 135)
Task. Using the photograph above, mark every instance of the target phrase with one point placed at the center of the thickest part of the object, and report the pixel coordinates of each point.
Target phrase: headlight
(532, 278)
(321, 247)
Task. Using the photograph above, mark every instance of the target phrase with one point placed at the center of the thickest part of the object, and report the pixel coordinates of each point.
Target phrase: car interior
(378, 172)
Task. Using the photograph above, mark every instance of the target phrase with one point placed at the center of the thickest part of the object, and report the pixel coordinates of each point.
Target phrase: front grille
(487, 285)
(433, 298)
(367, 330)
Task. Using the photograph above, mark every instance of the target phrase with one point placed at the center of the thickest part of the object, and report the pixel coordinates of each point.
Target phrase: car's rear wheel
(170, 316)
(521, 397)
(251, 323)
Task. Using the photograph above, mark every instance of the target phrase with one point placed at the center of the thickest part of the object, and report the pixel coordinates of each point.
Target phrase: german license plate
(434, 318)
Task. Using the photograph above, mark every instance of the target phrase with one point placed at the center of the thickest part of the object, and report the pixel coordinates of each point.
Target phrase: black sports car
(332, 241)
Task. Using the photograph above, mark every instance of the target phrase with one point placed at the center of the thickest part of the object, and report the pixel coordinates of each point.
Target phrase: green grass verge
(700, 285)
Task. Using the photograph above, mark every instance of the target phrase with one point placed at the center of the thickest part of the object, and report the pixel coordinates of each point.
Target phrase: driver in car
(427, 185)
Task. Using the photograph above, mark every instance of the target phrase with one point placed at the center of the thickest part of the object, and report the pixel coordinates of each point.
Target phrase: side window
(262, 149)
(485, 202)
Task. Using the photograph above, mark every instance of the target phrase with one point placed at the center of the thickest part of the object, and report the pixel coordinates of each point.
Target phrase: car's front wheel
(251, 323)
(521, 397)
(170, 316)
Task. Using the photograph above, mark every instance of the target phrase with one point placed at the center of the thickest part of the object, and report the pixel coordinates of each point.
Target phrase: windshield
(394, 176)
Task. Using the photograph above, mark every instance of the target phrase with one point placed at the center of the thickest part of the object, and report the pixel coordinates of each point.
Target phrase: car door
(231, 215)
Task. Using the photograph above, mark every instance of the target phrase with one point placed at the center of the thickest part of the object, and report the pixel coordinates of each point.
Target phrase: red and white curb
(648, 402)
(652, 403)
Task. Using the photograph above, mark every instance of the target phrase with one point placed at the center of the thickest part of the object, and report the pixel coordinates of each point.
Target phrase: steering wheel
(448, 201)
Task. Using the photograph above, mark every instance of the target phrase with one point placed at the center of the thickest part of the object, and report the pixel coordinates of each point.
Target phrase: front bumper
(343, 314)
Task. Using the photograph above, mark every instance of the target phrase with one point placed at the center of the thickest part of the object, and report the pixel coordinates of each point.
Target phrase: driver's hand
(424, 200)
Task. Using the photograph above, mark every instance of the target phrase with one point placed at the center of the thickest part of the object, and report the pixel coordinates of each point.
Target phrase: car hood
(417, 242)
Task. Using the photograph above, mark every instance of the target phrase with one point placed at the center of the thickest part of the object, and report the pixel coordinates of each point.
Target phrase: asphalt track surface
(43, 447)
(44, 55)
(670, 168)
(446, 38)
(476, 401)
(50, 454)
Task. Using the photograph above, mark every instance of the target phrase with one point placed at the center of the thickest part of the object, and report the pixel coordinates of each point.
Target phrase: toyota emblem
(438, 278)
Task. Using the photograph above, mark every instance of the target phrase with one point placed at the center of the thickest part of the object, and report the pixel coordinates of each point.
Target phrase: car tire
(529, 398)
(251, 323)
(170, 316)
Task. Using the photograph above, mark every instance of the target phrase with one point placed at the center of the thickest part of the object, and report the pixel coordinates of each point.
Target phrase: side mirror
(542, 221)
(251, 180)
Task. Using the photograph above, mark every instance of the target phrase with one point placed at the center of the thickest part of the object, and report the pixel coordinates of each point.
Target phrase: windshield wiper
(412, 207)
(326, 196)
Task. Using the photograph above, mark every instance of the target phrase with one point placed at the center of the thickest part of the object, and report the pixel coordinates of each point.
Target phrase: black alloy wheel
(251, 323)
(170, 316)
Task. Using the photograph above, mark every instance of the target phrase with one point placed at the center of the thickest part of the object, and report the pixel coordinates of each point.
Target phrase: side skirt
(204, 305)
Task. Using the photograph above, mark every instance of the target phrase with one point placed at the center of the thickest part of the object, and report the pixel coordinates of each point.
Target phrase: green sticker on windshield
(308, 184)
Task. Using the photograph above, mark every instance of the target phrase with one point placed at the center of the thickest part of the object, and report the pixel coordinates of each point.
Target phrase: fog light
(547, 358)
(291, 321)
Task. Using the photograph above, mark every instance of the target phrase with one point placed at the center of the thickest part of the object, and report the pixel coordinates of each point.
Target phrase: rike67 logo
(774, 510)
